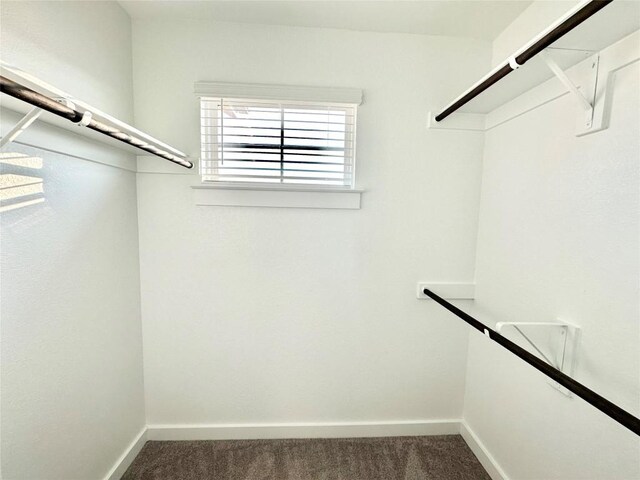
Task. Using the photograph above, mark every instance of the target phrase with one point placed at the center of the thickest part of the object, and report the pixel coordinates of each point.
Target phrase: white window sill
(276, 196)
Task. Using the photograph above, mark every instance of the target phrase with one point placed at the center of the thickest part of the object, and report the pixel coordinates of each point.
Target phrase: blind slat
(208, 155)
(290, 129)
(258, 169)
(284, 162)
(285, 147)
(276, 177)
(286, 137)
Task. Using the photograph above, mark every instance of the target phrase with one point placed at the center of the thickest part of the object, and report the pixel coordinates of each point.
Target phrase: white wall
(254, 315)
(257, 315)
(558, 240)
(72, 385)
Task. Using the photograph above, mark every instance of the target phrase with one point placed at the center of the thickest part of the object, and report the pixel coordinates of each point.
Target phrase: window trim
(283, 93)
(227, 194)
(289, 93)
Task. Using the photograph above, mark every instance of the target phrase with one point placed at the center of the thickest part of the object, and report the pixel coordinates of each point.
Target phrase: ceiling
(483, 19)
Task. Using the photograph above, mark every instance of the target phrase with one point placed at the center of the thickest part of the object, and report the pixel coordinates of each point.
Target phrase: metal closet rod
(60, 109)
(605, 406)
(519, 59)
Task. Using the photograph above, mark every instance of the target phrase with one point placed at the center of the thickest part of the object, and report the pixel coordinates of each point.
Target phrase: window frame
(350, 133)
(289, 94)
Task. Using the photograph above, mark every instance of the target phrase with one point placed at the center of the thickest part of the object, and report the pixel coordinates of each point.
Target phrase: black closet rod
(605, 406)
(51, 105)
(589, 9)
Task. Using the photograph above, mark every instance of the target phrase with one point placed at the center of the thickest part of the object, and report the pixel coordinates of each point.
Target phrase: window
(278, 142)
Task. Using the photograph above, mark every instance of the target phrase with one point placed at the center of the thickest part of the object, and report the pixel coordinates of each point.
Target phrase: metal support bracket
(555, 342)
(21, 126)
(584, 93)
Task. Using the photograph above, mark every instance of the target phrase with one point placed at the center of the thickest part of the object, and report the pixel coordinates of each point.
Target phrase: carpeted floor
(445, 457)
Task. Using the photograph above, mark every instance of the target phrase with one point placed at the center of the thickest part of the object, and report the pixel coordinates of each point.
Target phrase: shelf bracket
(31, 116)
(558, 339)
(586, 97)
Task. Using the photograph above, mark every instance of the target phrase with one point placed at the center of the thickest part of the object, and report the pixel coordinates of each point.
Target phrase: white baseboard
(307, 430)
(127, 456)
(482, 454)
(303, 430)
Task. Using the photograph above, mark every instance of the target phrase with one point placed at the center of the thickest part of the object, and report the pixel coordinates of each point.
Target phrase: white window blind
(256, 141)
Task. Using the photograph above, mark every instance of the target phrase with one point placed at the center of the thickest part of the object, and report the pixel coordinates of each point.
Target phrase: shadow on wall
(23, 189)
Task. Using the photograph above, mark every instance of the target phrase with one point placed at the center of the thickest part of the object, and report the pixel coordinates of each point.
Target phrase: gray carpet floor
(445, 457)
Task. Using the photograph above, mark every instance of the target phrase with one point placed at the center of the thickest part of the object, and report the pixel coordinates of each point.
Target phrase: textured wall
(254, 315)
(558, 240)
(72, 386)
(72, 383)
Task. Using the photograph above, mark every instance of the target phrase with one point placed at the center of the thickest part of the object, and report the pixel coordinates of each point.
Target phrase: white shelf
(34, 83)
(449, 291)
(614, 22)
(527, 77)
